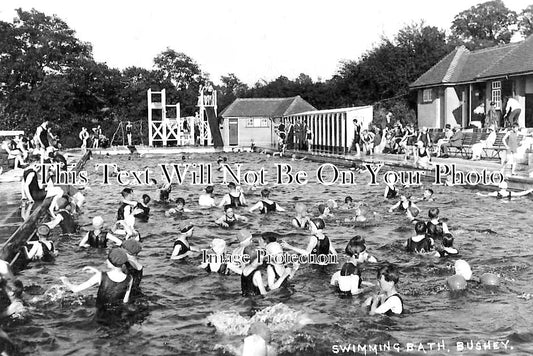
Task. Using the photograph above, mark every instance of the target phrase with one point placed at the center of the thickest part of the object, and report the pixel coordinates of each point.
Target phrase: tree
(484, 25)
(179, 68)
(525, 21)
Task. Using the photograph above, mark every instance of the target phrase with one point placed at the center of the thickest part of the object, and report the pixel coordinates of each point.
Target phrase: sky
(256, 40)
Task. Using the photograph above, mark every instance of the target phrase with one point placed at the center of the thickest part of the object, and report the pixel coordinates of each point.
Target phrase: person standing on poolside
(84, 136)
(512, 112)
(492, 118)
(128, 132)
(510, 141)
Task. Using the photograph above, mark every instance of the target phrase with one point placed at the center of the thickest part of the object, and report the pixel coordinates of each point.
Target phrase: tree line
(47, 73)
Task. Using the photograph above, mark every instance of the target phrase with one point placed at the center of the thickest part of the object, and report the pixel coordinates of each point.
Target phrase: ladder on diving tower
(167, 129)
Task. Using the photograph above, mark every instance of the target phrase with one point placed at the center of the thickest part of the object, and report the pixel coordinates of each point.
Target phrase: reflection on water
(171, 317)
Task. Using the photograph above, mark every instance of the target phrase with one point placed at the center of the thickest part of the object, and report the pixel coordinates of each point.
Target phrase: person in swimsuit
(503, 193)
(245, 240)
(324, 211)
(134, 268)
(301, 220)
(390, 191)
(348, 279)
(435, 227)
(388, 301)
(405, 205)
(182, 247)
(216, 259)
(206, 200)
(265, 205)
(445, 246)
(128, 132)
(277, 272)
(229, 219)
(319, 244)
(114, 285)
(164, 192)
(84, 136)
(43, 249)
(180, 208)
(97, 238)
(420, 243)
(251, 278)
(143, 205)
(126, 211)
(510, 141)
(64, 217)
(234, 197)
(422, 157)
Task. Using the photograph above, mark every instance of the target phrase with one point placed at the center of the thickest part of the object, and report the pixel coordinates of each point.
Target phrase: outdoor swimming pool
(492, 235)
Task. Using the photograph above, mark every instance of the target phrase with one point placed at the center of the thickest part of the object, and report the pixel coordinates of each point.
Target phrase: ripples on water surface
(492, 235)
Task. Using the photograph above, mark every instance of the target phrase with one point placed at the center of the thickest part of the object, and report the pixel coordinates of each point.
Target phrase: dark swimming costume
(128, 129)
(43, 136)
(349, 269)
(36, 192)
(248, 287)
(68, 225)
(392, 193)
(268, 207)
(499, 196)
(58, 158)
(164, 194)
(120, 212)
(276, 274)
(184, 248)
(48, 252)
(111, 293)
(230, 221)
(322, 247)
(145, 212)
(300, 223)
(423, 245)
(424, 154)
(390, 312)
(235, 201)
(137, 276)
(402, 208)
(444, 253)
(223, 269)
(434, 231)
(97, 241)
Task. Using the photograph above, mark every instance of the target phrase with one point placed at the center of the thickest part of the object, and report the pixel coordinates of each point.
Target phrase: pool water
(492, 235)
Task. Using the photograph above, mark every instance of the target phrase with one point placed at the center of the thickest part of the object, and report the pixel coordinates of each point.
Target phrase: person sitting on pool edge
(265, 205)
(182, 248)
(206, 200)
(504, 193)
(42, 249)
(234, 197)
(97, 237)
(179, 209)
(388, 301)
(114, 285)
(319, 244)
(229, 219)
(421, 242)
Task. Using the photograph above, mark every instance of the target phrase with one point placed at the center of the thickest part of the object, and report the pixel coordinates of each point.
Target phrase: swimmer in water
(503, 193)
(127, 210)
(42, 249)
(277, 272)
(390, 191)
(206, 200)
(388, 301)
(348, 279)
(404, 205)
(229, 219)
(301, 220)
(182, 248)
(143, 205)
(325, 212)
(257, 343)
(98, 238)
(134, 268)
(251, 278)
(179, 209)
(64, 217)
(319, 244)
(349, 203)
(215, 261)
(164, 192)
(362, 255)
(446, 248)
(420, 243)
(428, 196)
(266, 205)
(234, 197)
(436, 227)
(114, 285)
(245, 240)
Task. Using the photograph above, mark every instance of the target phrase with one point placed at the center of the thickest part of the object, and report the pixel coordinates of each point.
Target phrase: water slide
(213, 126)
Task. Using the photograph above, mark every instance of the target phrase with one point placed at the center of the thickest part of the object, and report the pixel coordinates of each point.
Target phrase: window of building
(496, 94)
(257, 122)
(249, 122)
(427, 95)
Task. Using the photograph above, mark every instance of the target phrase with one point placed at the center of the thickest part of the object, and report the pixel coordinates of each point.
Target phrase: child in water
(301, 220)
(206, 200)
(446, 248)
(114, 285)
(229, 219)
(98, 238)
(348, 279)
(319, 244)
(179, 209)
(420, 243)
(43, 249)
(266, 205)
(182, 248)
(388, 301)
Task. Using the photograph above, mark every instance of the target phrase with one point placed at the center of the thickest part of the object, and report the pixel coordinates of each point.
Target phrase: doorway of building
(529, 110)
(233, 132)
